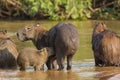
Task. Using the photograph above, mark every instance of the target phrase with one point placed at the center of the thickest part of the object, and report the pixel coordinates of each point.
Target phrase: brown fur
(3, 34)
(106, 46)
(36, 34)
(33, 57)
(63, 38)
(8, 52)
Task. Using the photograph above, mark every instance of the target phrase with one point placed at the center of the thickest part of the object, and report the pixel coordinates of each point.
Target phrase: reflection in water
(116, 77)
(38, 75)
(62, 75)
(35, 75)
(106, 72)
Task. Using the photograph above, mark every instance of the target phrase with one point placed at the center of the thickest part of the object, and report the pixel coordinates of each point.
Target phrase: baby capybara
(33, 57)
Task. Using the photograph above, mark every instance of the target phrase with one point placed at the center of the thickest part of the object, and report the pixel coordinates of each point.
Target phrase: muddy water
(83, 62)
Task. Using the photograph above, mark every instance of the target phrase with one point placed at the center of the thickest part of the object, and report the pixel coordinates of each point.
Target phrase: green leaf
(75, 15)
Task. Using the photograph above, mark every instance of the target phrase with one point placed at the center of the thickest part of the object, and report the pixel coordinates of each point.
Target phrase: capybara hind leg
(60, 61)
(99, 63)
(69, 62)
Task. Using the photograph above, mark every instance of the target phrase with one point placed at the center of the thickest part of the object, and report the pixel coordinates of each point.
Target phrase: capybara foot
(69, 68)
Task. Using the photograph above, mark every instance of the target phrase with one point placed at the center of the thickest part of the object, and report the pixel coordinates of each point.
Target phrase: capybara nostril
(17, 34)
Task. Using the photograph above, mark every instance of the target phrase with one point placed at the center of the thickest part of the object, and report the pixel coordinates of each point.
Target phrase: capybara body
(8, 52)
(33, 57)
(63, 38)
(106, 46)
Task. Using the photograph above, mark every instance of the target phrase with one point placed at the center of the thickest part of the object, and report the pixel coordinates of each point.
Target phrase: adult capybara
(8, 52)
(63, 38)
(33, 57)
(106, 46)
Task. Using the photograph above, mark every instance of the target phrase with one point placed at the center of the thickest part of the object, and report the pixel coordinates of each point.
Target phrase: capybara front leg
(42, 67)
(69, 62)
(22, 68)
(48, 64)
(36, 68)
(54, 64)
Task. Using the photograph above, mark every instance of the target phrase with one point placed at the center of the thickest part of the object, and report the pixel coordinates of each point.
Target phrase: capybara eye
(28, 28)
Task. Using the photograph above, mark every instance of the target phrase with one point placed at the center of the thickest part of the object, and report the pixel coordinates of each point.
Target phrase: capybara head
(3, 34)
(99, 27)
(27, 33)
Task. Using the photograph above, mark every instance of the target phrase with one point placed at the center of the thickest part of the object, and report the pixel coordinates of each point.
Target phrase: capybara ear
(4, 31)
(40, 51)
(96, 23)
(104, 25)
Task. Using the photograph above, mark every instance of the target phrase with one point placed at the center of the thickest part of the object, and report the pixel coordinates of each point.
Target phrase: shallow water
(83, 63)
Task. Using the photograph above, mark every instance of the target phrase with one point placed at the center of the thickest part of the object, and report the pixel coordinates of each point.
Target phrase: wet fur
(8, 52)
(33, 57)
(63, 38)
(106, 46)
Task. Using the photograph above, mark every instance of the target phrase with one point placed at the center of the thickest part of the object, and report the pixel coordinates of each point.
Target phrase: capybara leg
(60, 61)
(48, 64)
(69, 62)
(42, 67)
(54, 64)
(99, 63)
(96, 62)
(36, 68)
(22, 68)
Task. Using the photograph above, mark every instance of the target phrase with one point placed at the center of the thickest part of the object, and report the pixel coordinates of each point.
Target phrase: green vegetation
(60, 9)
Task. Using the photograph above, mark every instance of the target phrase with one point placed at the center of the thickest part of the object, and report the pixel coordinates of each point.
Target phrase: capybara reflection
(33, 57)
(8, 52)
(106, 46)
(63, 38)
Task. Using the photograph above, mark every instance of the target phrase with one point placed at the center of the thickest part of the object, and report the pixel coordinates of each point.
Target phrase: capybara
(33, 57)
(8, 52)
(106, 46)
(63, 38)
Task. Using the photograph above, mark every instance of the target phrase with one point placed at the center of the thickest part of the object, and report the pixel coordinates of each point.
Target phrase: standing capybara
(8, 52)
(106, 46)
(33, 57)
(63, 38)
